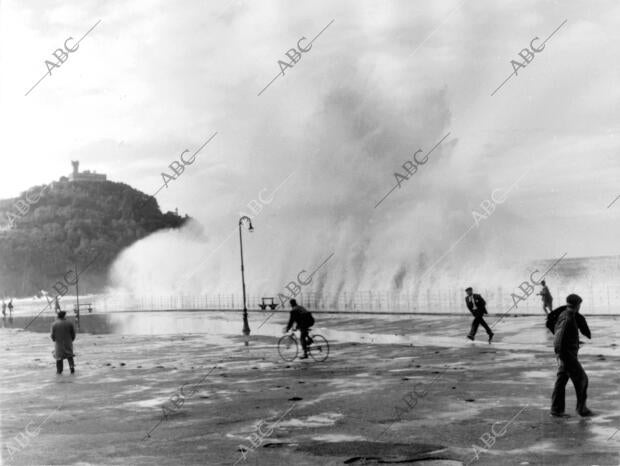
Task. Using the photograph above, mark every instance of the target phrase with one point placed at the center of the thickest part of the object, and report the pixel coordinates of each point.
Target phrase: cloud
(384, 80)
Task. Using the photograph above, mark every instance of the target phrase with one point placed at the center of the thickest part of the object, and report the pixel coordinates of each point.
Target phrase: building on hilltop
(86, 175)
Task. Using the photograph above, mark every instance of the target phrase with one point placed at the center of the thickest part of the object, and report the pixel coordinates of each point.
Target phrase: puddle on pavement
(546, 375)
(333, 438)
(317, 420)
(141, 323)
(364, 452)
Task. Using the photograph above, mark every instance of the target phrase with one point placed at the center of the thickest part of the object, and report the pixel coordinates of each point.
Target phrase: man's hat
(573, 299)
(62, 314)
(469, 288)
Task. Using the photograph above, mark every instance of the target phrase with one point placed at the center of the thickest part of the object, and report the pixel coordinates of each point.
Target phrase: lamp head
(247, 219)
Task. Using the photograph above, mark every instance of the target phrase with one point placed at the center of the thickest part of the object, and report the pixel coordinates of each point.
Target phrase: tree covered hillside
(50, 228)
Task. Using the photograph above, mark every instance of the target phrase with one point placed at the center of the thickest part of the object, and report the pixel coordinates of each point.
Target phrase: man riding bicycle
(304, 320)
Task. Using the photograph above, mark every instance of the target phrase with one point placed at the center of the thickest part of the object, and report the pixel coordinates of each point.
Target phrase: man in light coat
(547, 299)
(63, 334)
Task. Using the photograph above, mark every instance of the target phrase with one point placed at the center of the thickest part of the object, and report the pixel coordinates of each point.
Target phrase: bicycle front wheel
(287, 347)
(319, 348)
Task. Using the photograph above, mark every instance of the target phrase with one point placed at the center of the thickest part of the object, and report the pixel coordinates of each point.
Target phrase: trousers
(59, 365)
(569, 367)
(479, 320)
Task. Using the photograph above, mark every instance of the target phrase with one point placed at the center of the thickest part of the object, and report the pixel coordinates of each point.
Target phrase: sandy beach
(395, 389)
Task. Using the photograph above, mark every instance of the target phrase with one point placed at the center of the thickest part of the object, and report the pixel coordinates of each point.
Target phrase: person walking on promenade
(478, 307)
(57, 305)
(3, 308)
(566, 346)
(63, 334)
(547, 299)
(11, 308)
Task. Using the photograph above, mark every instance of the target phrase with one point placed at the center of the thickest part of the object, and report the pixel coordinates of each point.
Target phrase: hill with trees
(50, 229)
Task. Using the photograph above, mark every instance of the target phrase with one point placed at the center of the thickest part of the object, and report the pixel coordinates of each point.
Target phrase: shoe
(585, 413)
(73, 370)
(470, 337)
(490, 338)
(305, 356)
(556, 414)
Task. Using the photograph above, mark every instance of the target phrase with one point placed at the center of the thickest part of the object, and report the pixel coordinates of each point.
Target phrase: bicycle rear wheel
(319, 348)
(287, 347)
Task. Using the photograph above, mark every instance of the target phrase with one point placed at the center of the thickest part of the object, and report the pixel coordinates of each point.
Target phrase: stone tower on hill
(86, 175)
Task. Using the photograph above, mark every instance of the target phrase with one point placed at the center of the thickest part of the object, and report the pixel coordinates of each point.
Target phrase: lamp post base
(246, 326)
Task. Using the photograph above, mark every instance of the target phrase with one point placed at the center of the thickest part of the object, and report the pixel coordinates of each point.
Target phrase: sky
(382, 80)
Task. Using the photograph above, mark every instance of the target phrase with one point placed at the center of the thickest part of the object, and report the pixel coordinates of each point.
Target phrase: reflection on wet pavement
(513, 333)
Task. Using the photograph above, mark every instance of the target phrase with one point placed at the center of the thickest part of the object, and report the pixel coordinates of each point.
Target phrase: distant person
(10, 308)
(547, 299)
(57, 305)
(63, 334)
(478, 307)
(3, 308)
(304, 320)
(566, 345)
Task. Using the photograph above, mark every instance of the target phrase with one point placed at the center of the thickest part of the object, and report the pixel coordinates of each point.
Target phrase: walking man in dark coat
(63, 334)
(566, 345)
(478, 307)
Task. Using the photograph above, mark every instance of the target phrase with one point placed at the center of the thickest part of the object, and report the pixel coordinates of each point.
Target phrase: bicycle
(318, 347)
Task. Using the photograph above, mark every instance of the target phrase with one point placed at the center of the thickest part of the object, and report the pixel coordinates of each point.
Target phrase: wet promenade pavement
(402, 389)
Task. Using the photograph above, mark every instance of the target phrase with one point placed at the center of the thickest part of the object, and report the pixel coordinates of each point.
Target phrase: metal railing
(597, 300)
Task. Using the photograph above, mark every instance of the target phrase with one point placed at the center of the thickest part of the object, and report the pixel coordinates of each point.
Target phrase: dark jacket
(299, 315)
(63, 334)
(567, 327)
(481, 305)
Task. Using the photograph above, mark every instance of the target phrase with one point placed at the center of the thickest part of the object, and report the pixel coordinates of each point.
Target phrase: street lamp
(246, 327)
(77, 293)
(77, 287)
